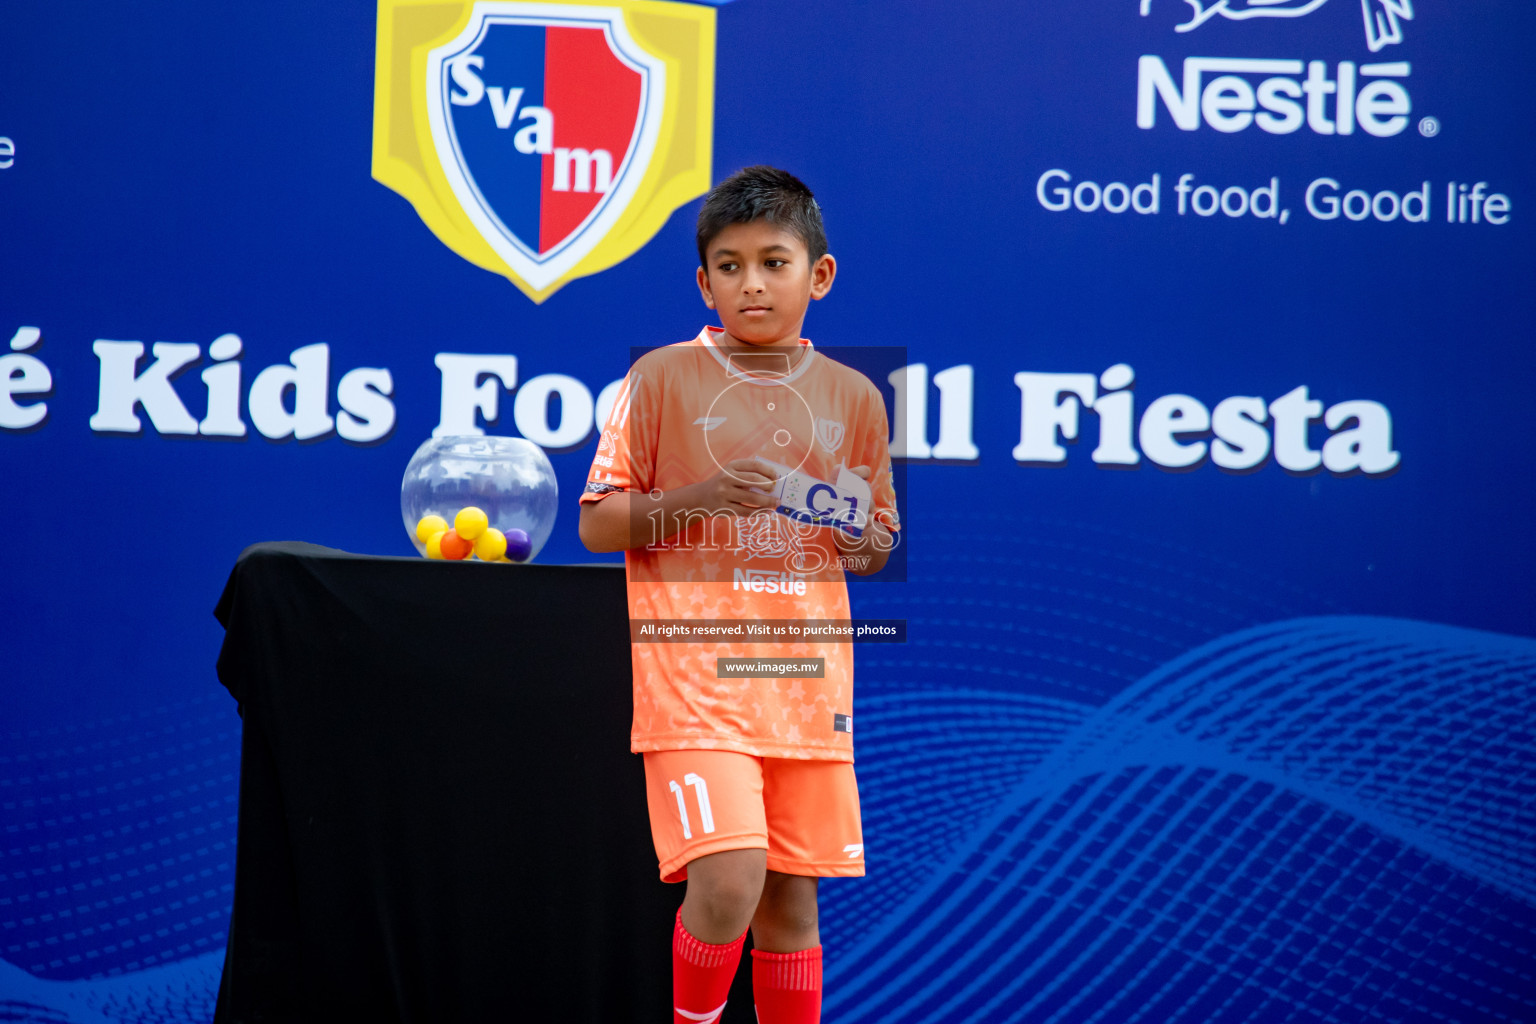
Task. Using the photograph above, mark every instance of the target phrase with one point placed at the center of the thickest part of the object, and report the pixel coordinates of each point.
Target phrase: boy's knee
(786, 916)
(727, 908)
(723, 893)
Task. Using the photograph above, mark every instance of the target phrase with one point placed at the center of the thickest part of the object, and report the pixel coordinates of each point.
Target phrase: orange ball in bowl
(454, 546)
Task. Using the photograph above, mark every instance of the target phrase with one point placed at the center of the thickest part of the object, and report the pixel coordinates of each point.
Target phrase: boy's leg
(786, 965)
(707, 821)
(723, 894)
(786, 987)
(814, 829)
(786, 920)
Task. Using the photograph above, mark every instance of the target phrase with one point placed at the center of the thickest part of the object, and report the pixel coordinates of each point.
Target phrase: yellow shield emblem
(544, 141)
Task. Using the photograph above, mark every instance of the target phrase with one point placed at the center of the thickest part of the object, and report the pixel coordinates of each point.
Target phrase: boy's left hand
(867, 553)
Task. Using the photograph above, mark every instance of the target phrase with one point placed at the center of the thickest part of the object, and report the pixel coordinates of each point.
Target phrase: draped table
(440, 819)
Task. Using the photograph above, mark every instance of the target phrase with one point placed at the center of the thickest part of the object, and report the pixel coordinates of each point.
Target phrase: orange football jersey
(683, 412)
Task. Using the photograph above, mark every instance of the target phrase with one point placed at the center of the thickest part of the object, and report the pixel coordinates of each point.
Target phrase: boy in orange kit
(741, 473)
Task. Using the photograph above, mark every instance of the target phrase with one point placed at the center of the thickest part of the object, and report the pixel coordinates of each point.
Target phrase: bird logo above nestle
(1383, 18)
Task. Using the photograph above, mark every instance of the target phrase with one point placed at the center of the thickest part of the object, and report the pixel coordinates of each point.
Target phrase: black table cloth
(440, 819)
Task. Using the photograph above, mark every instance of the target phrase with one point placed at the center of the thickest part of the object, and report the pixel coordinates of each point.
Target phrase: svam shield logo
(544, 141)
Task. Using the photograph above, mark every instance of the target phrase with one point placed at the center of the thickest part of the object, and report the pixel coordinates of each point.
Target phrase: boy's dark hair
(763, 193)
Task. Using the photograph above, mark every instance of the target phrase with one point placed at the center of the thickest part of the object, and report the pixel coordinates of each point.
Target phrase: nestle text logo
(1274, 95)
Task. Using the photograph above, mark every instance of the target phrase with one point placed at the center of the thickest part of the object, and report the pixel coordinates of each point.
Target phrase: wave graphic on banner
(117, 865)
(172, 994)
(1325, 819)
(1093, 788)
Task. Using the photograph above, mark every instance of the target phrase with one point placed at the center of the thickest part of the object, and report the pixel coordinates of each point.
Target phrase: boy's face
(760, 279)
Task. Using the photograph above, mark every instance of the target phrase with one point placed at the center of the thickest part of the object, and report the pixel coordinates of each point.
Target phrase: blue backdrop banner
(1216, 698)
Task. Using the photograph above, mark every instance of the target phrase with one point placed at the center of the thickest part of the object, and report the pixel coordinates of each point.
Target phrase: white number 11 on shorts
(701, 792)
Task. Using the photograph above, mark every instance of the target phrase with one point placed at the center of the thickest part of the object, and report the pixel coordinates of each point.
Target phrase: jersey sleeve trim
(596, 491)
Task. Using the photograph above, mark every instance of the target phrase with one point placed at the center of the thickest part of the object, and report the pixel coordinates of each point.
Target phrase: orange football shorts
(804, 813)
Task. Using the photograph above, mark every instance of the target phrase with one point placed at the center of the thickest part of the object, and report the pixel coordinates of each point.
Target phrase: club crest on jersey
(830, 434)
(544, 141)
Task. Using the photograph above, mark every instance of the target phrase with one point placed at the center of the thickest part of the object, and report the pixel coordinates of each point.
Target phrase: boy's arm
(630, 519)
(866, 554)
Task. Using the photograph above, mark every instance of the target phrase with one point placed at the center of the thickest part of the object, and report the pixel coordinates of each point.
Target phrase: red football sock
(787, 986)
(701, 976)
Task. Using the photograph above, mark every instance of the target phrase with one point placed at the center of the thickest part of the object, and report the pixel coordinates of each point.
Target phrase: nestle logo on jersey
(763, 581)
(1281, 101)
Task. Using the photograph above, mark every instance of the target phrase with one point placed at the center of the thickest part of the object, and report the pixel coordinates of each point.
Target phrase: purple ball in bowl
(519, 546)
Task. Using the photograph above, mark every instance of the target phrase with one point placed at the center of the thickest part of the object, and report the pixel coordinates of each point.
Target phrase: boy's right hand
(632, 519)
(742, 487)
